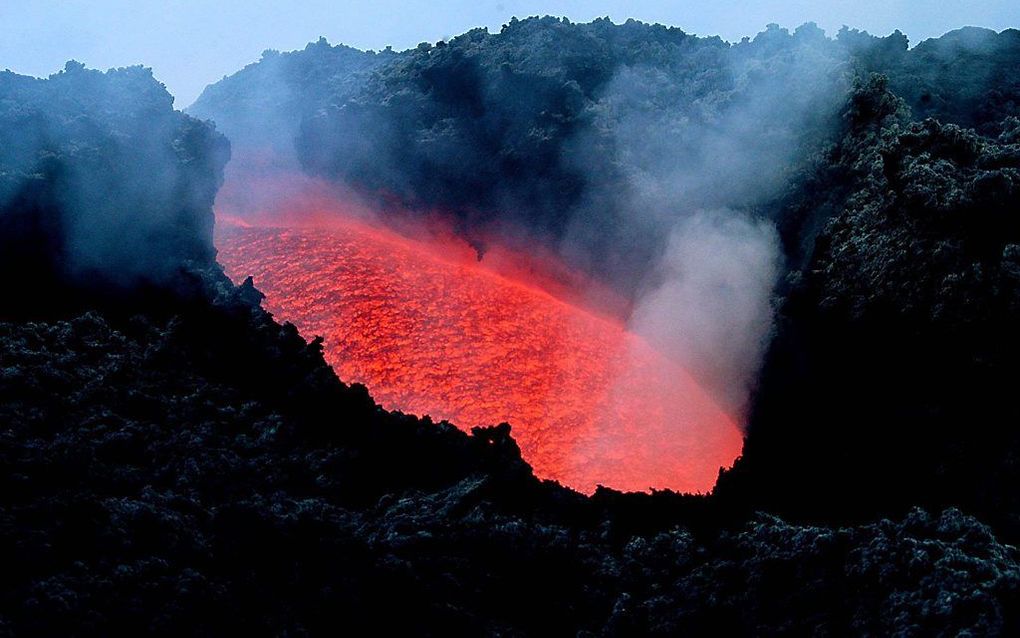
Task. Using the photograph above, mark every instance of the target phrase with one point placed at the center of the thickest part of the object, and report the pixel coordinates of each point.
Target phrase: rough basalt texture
(891, 380)
(207, 474)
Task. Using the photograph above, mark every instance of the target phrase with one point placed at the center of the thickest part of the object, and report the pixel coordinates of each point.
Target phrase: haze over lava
(431, 330)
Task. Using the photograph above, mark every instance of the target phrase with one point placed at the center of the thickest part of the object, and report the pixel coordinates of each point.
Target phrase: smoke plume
(696, 177)
(646, 157)
(711, 309)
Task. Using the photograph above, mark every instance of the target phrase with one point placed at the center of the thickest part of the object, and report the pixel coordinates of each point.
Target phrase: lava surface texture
(431, 330)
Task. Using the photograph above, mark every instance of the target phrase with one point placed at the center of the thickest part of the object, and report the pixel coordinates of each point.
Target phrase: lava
(431, 330)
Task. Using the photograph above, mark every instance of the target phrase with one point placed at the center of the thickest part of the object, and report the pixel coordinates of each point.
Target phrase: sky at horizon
(192, 43)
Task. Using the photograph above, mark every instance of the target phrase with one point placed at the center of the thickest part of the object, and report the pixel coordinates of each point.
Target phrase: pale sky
(192, 43)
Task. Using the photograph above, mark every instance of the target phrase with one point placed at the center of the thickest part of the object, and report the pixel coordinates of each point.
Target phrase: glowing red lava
(430, 330)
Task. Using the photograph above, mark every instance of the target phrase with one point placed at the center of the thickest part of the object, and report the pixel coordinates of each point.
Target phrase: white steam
(711, 308)
(697, 170)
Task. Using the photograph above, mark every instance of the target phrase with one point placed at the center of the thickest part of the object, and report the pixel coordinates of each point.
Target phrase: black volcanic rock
(207, 473)
(102, 185)
(891, 381)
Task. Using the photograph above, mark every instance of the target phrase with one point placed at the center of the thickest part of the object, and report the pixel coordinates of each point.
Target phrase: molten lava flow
(429, 330)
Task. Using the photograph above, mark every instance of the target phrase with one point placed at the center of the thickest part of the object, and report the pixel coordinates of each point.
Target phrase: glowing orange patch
(430, 330)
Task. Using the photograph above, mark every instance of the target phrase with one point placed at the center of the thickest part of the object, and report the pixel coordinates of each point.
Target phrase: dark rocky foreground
(174, 461)
(891, 378)
(206, 473)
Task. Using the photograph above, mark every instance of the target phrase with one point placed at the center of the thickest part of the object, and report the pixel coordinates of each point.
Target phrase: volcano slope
(173, 461)
(558, 128)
